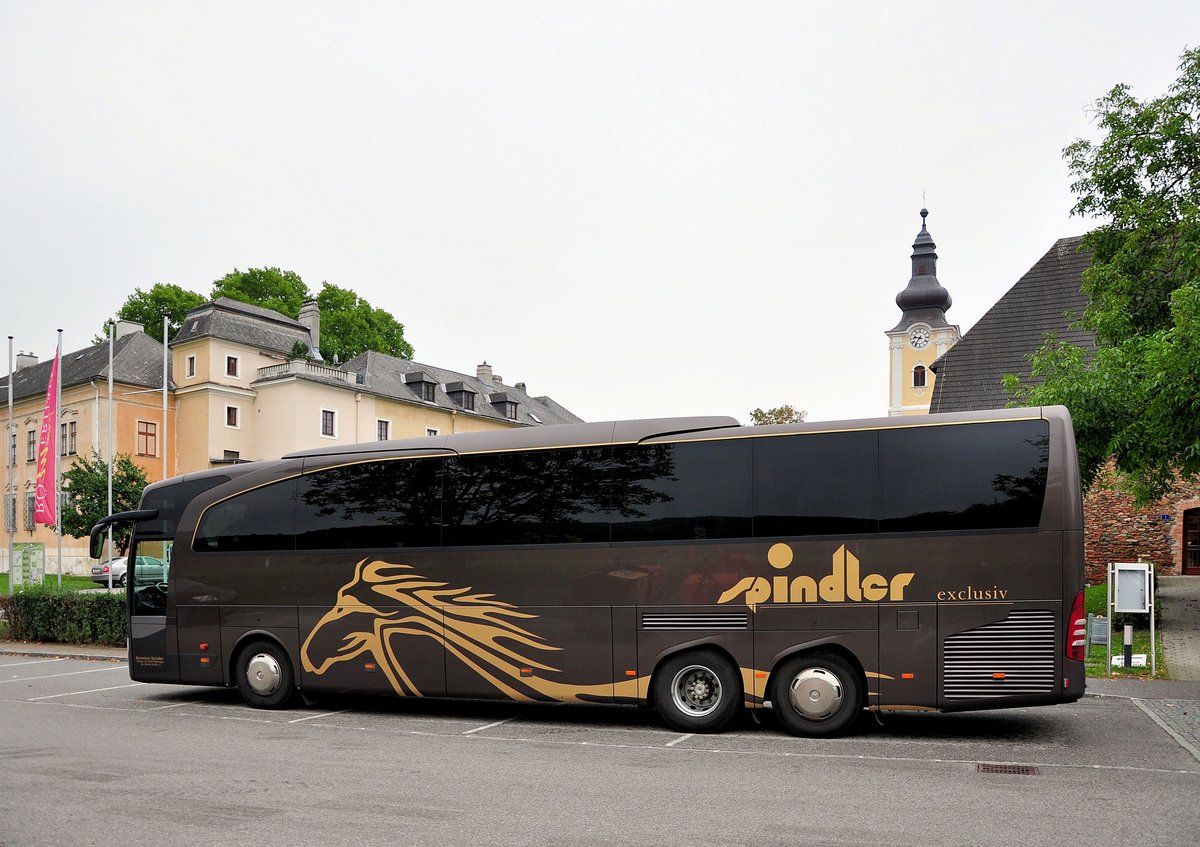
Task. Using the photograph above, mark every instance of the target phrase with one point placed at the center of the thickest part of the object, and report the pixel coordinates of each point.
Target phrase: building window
(381, 430)
(428, 391)
(430, 431)
(233, 366)
(31, 440)
(328, 423)
(12, 447)
(464, 399)
(189, 367)
(10, 513)
(919, 376)
(232, 455)
(67, 442)
(510, 411)
(30, 506)
(147, 438)
(231, 417)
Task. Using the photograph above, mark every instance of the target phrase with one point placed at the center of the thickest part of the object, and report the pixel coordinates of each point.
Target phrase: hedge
(46, 613)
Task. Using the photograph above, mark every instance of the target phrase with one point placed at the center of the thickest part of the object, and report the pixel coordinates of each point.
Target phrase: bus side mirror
(96, 542)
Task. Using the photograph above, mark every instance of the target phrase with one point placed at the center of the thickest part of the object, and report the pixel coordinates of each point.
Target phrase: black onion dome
(924, 299)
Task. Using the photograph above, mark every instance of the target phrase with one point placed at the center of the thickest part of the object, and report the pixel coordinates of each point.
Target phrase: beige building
(922, 335)
(86, 419)
(250, 385)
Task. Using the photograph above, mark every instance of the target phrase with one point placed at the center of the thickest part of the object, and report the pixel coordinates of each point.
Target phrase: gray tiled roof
(242, 323)
(137, 360)
(1046, 300)
(384, 375)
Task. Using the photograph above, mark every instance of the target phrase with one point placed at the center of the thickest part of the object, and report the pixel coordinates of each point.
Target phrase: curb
(64, 651)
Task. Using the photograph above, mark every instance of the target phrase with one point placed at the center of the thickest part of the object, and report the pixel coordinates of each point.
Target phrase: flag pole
(58, 464)
(10, 493)
(129, 575)
(163, 443)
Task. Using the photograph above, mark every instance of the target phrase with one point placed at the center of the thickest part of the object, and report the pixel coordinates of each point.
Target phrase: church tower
(923, 333)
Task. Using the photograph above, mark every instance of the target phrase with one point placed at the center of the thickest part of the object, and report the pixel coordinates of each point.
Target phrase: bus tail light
(1076, 630)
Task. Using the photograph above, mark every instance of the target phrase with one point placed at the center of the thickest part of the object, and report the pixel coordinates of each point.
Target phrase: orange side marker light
(630, 673)
(906, 676)
(997, 676)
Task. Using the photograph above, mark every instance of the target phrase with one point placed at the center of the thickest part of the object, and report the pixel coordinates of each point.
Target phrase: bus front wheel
(816, 695)
(263, 674)
(697, 691)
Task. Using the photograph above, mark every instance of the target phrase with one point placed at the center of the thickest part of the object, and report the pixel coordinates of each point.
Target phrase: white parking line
(68, 673)
(488, 726)
(89, 691)
(34, 662)
(680, 738)
(323, 715)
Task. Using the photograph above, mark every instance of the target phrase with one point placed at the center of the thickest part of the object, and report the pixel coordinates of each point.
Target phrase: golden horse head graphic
(386, 603)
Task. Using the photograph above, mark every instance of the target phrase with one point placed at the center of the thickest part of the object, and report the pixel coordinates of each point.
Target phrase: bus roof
(635, 431)
(525, 438)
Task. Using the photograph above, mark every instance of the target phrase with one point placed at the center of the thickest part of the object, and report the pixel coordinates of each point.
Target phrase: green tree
(1136, 399)
(778, 415)
(350, 326)
(148, 308)
(86, 494)
(271, 288)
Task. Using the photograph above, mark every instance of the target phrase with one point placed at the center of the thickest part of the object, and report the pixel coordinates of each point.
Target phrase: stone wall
(1115, 530)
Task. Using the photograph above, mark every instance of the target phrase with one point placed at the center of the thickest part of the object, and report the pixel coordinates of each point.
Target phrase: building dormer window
(505, 405)
(461, 396)
(423, 385)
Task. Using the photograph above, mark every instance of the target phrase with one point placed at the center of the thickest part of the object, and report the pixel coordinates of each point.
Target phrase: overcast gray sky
(640, 209)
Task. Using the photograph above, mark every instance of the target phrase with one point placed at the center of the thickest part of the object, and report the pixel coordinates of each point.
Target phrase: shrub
(46, 613)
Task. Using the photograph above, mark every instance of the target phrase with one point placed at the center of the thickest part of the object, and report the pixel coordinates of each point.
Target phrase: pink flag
(45, 507)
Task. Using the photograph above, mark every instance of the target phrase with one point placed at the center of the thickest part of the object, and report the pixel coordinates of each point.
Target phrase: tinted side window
(688, 491)
(370, 505)
(817, 484)
(539, 497)
(971, 476)
(260, 519)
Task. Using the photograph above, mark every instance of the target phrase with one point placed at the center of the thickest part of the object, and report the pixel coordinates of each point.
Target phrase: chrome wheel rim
(816, 693)
(263, 674)
(696, 691)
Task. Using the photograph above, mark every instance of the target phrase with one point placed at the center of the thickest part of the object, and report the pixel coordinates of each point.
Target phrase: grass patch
(70, 582)
(1096, 602)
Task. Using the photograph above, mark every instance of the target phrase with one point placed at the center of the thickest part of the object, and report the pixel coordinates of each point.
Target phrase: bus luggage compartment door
(907, 657)
(551, 653)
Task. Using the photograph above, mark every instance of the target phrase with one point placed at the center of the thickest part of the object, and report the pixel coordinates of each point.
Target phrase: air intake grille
(713, 620)
(1012, 657)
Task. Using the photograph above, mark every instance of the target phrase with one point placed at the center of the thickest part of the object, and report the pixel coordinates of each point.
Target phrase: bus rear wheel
(697, 691)
(817, 695)
(263, 675)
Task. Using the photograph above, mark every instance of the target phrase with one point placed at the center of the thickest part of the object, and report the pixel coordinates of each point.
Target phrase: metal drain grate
(1015, 770)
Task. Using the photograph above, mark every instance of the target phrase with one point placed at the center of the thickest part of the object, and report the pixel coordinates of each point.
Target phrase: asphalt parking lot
(94, 758)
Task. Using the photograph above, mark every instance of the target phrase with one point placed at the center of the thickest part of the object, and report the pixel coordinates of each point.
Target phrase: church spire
(923, 299)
